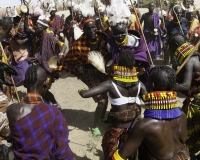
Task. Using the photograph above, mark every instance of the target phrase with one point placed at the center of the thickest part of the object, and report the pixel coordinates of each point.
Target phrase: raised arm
(101, 88)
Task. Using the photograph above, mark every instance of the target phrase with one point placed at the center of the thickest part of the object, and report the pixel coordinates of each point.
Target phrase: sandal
(96, 132)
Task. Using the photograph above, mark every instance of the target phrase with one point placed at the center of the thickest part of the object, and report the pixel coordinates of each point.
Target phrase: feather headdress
(118, 14)
(84, 7)
(97, 60)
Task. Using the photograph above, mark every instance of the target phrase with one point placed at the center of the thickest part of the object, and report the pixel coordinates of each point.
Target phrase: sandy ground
(79, 114)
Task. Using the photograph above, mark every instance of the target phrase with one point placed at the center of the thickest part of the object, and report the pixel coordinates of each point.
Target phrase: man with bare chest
(152, 31)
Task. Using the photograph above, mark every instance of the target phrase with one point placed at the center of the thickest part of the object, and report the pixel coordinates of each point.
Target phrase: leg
(98, 113)
(104, 109)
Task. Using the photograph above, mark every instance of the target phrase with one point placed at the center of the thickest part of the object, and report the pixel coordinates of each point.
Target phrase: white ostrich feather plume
(84, 7)
(77, 32)
(97, 60)
(118, 14)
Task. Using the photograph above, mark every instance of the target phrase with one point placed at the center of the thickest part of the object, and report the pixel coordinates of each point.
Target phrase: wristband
(116, 156)
(81, 89)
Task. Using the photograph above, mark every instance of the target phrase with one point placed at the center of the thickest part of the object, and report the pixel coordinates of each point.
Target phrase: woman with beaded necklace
(188, 84)
(123, 90)
(162, 133)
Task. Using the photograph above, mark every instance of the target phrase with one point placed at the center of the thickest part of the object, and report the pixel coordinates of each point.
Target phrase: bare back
(163, 139)
(169, 135)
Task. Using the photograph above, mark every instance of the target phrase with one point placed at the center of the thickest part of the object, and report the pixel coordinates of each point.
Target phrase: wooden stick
(164, 27)
(99, 15)
(13, 82)
(72, 12)
(142, 33)
(188, 57)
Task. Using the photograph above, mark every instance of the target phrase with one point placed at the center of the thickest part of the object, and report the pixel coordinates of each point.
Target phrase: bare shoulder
(13, 108)
(145, 125)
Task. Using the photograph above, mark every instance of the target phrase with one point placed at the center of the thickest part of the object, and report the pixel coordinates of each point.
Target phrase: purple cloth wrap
(154, 41)
(140, 53)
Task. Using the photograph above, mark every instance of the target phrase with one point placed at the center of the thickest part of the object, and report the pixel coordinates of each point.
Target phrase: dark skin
(79, 16)
(119, 32)
(41, 31)
(17, 111)
(162, 138)
(90, 31)
(193, 65)
(107, 86)
(52, 13)
(177, 14)
(148, 18)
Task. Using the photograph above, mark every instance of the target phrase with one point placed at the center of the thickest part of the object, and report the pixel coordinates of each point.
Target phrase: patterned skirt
(191, 107)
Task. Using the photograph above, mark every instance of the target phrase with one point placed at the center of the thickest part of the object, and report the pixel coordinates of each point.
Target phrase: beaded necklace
(160, 100)
(123, 43)
(97, 40)
(124, 74)
(183, 51)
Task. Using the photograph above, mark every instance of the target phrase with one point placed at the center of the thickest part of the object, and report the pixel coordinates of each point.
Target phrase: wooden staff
(72, 12)
(142, 33)
(99, 15)
(188, 57)
(178, 20)
(164, 27)
(13, 82)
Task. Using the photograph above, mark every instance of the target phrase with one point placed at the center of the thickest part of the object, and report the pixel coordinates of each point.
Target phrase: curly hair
(163, 77)
(126, 58)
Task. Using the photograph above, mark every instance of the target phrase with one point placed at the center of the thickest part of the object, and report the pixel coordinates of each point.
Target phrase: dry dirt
(79, 114)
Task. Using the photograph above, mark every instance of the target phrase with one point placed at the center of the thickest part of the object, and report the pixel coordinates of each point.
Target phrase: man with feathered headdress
(77, 61)
(119, 20)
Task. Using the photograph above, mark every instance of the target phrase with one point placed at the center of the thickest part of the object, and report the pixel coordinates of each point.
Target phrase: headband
(87, 21)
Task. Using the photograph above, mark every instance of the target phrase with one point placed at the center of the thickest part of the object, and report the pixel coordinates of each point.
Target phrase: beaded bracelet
(81, 89)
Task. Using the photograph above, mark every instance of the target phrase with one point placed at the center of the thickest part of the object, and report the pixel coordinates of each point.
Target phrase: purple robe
(140, 53)
(154, 41)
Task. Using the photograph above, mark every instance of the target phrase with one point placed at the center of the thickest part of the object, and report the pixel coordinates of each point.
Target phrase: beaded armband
(183, 51)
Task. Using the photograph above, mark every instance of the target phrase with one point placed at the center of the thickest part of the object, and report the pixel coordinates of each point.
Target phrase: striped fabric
(48, 50)
(78, 53)
(42, 134)
(191, 107)
(57, 24)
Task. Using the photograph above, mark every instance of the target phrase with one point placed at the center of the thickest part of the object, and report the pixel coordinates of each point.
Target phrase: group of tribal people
(34, 54)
